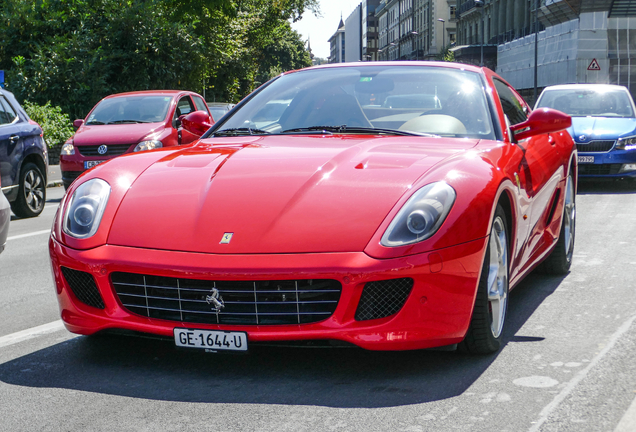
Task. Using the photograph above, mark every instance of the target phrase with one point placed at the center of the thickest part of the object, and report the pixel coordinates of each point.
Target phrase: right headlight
(421, 216)
(626, 143)
(68, 149)
(85, 210)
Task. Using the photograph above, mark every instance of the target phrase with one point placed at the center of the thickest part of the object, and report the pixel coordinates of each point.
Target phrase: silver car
(5, 217)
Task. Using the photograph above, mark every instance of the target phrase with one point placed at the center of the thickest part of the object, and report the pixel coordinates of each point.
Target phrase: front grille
(599, 169)
(83, 286)
(383, 298)
(596, 146)
(245, 302)
(113, 150)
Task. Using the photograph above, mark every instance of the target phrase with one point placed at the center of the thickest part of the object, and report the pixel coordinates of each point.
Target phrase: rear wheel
(485, 333)
(560, 259)
(31, 192)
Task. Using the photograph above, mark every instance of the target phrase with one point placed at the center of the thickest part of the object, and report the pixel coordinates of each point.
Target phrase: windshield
(373, 99)
(588, 102)
(130, 109)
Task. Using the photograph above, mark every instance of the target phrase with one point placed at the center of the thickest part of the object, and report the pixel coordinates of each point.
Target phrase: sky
(319, 30)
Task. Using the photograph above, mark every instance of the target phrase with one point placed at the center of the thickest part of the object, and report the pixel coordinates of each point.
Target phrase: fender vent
(83, 286)
(383, 298)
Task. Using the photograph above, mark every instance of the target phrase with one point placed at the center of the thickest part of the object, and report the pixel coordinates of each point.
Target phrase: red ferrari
(387, 205)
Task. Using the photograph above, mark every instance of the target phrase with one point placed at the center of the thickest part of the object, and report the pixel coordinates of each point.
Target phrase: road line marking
(48, 231)
(547, 410)
(628, 422)
(23, 335)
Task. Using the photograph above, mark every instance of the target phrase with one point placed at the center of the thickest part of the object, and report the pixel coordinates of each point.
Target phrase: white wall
(353, 36)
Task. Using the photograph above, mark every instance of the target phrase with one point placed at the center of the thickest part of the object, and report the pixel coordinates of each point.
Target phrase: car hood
(278, 194)
(115, 134)
(586, 129)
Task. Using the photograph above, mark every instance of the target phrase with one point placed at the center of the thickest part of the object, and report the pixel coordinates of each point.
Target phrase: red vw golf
(387, 205)
(126, 123)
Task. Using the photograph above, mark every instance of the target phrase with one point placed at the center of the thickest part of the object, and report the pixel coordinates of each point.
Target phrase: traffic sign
(1, 78)
(594, 66)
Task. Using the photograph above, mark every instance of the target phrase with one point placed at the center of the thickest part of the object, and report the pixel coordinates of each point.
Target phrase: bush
(55, 125)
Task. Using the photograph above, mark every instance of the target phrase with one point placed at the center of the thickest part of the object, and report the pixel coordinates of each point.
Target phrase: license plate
(586, 159)
(210, 340)
(91, 164)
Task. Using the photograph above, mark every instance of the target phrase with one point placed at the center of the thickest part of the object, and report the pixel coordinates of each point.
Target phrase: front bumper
(611, 164)
(436, 313)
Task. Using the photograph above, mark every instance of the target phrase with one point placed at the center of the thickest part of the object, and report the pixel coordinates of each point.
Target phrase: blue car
(23, 158)
(603, 126)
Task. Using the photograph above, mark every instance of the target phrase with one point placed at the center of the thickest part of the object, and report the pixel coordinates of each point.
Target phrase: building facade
(415, 29)
(337, 44)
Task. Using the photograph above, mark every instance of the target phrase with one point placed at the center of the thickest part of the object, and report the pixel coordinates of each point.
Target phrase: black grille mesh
(83, 286)
(113, 150)
(599, 169)
(599, 146)
(275, 302)
(383, 298)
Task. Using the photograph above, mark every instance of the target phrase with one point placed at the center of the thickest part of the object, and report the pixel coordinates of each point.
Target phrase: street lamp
(417, 51)
(480, 4)
(443, 32)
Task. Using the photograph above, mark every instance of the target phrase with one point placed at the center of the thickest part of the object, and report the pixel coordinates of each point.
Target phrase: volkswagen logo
(102, 149)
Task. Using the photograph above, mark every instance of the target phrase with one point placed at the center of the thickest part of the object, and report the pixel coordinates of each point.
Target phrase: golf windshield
(130, 109)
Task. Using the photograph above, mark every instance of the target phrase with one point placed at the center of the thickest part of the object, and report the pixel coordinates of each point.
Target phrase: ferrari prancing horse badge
(227, 238)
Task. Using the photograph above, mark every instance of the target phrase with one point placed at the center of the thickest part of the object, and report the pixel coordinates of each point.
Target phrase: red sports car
(387, 205)
(130, 122)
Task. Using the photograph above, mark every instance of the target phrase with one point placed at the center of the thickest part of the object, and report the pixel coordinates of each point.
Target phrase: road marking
(628, 422)
(547, 410)
(48, 231)
(23, 335)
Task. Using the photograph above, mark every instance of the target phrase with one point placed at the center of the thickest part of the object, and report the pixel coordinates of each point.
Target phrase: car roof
(150, 93)
(449, 65)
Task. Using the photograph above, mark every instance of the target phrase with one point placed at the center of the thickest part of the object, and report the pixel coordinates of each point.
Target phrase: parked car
(603, 126)
(5, 217)
(219, 109)
(23, 158)
(127, 123)
(327, 223)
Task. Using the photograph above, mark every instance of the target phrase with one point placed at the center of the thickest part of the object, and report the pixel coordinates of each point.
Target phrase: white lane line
(23, 335)
(628, 422)
(547, 410)
(29, 234)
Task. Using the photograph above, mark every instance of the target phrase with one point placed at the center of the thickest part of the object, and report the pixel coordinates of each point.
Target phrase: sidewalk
(55, 176)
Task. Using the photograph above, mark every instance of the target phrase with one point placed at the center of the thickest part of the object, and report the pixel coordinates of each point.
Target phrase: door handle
(14, 139)
(551, 140)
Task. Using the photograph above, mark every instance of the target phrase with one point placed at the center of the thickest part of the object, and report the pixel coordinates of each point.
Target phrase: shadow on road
(602, 186)
(331, 377)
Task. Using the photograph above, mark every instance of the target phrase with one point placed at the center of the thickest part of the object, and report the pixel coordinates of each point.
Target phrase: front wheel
(485, 332)
(560, 259)
(31, 192)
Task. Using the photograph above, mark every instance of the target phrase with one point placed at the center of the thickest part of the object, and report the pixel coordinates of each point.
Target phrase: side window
(200, 103)
(7, 114)
(513, 108)
(184, 106)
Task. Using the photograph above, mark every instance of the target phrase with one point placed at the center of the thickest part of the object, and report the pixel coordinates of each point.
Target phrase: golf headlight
(68, 149)
(84, 212)
(627, 143)
(148, 145)
(421, 216)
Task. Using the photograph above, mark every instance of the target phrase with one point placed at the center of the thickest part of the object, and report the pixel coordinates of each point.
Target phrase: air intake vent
(275, 302)
(596, 146)
(111, 150)
(83, 286)
(383, 298)
(599, 169)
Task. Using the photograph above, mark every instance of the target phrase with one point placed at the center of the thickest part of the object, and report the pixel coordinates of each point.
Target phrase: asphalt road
(567, 365)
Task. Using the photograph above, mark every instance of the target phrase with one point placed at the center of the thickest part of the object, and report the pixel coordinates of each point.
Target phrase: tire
(560, 259)
(485, 333)
(31, 192)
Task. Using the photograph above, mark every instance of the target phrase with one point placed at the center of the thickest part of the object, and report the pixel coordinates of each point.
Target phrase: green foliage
(75, 52)
(56, 126)
(446, 55)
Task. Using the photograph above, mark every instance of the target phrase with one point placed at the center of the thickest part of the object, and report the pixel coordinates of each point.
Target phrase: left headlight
(421, 216)
(148, 145)
(626, 143)
(84, 212)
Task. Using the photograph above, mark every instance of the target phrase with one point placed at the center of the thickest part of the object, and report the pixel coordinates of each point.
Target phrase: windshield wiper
(95, 122)
(357, 129)
(127, 121)
(240, 131)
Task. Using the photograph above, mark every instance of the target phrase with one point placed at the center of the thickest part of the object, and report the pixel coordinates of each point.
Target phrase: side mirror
(78, 123)
(541, 121)
(197, 122)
